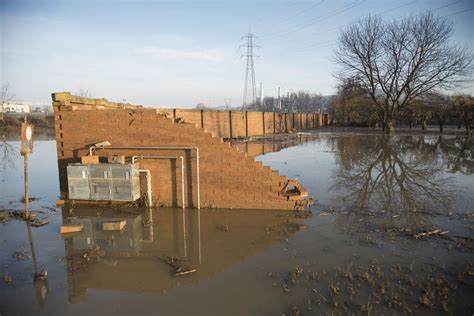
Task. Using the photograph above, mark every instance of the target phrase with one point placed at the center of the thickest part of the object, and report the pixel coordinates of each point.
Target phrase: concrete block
(90, 160)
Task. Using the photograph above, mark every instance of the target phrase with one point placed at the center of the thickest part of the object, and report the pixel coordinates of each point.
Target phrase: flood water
(391, 233)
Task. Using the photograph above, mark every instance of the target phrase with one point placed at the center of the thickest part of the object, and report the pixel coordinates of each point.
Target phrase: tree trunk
(410, 123)
(441, 127)
(423, 124)
(389, 126)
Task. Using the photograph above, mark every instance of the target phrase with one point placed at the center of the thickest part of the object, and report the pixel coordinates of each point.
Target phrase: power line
(458, 12)
(327, 43)
(305, 10)
(250, 68)
(317, 20)
(305, 49)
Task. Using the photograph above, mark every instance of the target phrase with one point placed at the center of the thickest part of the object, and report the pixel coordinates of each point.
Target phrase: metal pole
(199, 235)
(25, 171)
(279, 98)
(197, 178)
(182, 180)
(33, 252)
(150, 232)
(148, 181)
(184, 233)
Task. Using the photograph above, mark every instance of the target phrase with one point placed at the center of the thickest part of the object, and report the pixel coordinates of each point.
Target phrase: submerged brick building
(227, 177)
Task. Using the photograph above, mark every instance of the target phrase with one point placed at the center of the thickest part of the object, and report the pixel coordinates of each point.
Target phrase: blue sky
(181, 53)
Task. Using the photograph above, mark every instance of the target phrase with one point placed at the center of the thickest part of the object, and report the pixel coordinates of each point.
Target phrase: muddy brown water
(358, 253)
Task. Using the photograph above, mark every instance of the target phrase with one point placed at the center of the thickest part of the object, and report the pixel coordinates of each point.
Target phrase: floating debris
(180, 268)
(433, 233)
(39, 223)
(30, 199)
(42, 275)
(224, 228)
(7, 279)
(20, 254)
(295, 227)
(4, 216)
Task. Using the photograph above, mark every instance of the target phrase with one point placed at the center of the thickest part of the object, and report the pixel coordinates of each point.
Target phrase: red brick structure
(229, 178)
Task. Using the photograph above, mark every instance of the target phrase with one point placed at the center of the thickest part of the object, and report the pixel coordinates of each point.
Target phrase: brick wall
(232, 124)
(229, 178)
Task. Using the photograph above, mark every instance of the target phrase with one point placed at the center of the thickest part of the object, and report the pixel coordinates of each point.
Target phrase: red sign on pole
(26, 138)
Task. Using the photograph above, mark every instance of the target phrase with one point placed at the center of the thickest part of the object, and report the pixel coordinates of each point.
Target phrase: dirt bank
(10, 126)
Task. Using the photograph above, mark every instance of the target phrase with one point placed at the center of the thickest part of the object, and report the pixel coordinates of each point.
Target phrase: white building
(16, 108)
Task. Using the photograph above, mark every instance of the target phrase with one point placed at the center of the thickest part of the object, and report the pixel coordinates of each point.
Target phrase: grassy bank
(10, 126)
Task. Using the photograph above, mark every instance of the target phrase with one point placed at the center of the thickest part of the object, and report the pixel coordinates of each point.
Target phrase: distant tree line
(352, 106)
(300, 101)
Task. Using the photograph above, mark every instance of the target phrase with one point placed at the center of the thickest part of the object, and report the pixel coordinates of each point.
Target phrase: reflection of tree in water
(400, 176)
(8, 154)
(458, 154)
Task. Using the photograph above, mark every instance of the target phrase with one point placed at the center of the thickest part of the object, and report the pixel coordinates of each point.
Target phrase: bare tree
(85, 93)
(441, 107)
(300, 101)
(464, 108)
(5, 96)
(352, 106)
(395, 62)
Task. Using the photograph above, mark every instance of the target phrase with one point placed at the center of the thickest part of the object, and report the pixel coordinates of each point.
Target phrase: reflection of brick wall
(229, 178)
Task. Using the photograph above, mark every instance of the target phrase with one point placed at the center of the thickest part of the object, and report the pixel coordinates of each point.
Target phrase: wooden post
(202, 118)
(230, 124)
(263, 122)
(25, 177)
(32, 246)
(26, 148)
(274, 122)
(25, 172)
(246, 124)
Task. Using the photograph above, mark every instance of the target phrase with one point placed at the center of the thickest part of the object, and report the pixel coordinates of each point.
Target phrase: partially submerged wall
(228, 177)
(232, 124)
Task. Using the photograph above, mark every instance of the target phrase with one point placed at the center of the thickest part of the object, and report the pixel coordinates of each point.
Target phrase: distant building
(16, 108)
